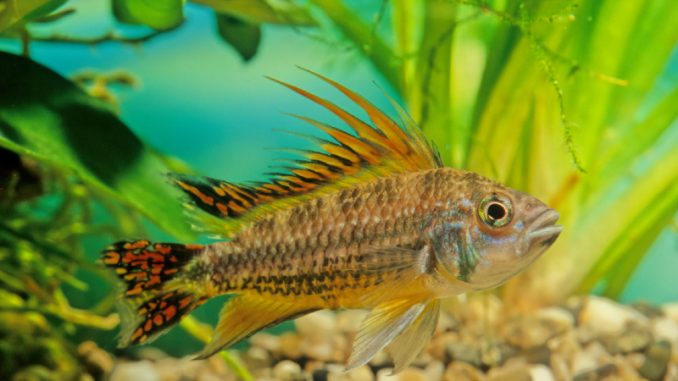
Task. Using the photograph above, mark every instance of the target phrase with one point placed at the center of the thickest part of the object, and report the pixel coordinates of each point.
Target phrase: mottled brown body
(327, 249)
(372, 219)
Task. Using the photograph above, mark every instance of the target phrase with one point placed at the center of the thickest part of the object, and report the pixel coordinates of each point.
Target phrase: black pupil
(496, 211)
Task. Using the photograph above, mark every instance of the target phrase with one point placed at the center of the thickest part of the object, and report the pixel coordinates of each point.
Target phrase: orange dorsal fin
(382, 148)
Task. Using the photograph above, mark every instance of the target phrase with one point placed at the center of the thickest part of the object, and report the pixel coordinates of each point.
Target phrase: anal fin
(246, 314)
(386, 321)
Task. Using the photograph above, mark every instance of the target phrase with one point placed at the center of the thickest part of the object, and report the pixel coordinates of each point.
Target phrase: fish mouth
(543, 229)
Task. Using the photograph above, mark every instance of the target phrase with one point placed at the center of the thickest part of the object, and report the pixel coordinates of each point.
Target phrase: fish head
(501, 233)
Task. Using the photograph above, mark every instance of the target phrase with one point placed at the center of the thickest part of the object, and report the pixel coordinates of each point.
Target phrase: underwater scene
(347, 190)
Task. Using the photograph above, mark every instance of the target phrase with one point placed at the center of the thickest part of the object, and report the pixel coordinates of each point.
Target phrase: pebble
(317, 326)
(257, 357)
(635, 360)
(151, 353)
(137, 371)
(512, 371)
(670, 310)
(484, 308)
(208, 376)
(559, 318)
(566, 345)
(529, 331)
(560, 368)
(596, 374)
(407, 374)
(625, 369)
(169, 369)
(456, 351)
(287, 370)
(323, 351)
(436, 347)
(216, 364)
(362, 373)
(189, 369)
(349, 321)
(434, 371)
(665, 328)
(266, 341)
(97, 361)
(589, 358)
(656, 362)
(446, 323)
(461, 371)
(647, 309)
(633, 339)
(541, 373)
(672, 372)
(538, 355)
(608, 318)
(290, 345)
(494, 353)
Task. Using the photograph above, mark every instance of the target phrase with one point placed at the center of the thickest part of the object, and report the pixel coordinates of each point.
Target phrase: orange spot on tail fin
(146, 266)
(158, 314)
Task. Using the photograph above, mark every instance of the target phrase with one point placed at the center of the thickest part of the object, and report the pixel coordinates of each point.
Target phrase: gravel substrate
(589, 338)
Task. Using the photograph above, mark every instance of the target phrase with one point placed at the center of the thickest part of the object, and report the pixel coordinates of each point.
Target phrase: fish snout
(543, 230)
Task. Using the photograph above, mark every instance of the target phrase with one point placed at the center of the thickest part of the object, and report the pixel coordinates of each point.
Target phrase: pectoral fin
(246, 314)
(380, 327)
(405, 347)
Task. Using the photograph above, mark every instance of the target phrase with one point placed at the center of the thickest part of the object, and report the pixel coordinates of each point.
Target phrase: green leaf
(434, 111)
(46, 117)
(243, 37)
(157, 14)
(15, 11)
(262, 11)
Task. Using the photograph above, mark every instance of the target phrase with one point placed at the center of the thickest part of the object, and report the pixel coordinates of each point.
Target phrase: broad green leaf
(262, 11)
(15, 11)
(243, 37)
(44, 116)
(157, 14)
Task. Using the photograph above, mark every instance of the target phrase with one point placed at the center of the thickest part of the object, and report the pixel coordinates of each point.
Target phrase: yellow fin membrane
(380, 327)
(405, 348)
(246, 314)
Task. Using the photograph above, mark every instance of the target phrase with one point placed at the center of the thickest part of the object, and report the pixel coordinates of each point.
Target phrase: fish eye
(495, 211)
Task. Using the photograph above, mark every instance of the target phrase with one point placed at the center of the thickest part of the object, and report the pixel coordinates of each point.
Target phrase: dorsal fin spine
(392, 131)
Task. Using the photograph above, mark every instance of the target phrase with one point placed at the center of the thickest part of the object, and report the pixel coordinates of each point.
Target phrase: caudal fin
(155, 298)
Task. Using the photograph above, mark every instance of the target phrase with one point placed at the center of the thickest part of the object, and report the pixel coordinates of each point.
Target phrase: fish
(369, 219)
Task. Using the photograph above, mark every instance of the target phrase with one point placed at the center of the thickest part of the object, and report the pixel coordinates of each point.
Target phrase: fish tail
(156, 297)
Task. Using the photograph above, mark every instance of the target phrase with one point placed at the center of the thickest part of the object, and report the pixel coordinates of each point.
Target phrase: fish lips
(543, 231)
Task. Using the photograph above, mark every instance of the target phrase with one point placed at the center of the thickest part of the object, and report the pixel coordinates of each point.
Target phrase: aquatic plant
(567, 100)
